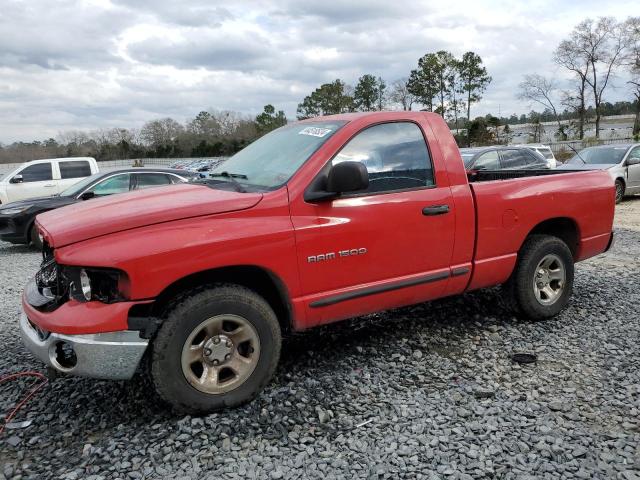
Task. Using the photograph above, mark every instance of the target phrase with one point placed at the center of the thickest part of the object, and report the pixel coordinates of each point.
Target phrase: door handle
(435, 210)
(49, 185)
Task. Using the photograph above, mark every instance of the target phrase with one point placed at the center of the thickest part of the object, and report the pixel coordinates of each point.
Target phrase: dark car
(16, 218)
(502, 158)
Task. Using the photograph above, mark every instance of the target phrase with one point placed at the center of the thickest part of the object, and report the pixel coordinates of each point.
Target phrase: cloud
(85, 64)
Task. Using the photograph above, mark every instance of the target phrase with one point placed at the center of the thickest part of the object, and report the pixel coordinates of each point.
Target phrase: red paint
(159, 236)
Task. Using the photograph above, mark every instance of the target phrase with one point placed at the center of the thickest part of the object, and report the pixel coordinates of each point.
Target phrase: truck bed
(490, 175)
(510, 205)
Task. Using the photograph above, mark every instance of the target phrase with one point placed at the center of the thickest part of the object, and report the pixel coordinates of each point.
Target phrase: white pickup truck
(44, 178)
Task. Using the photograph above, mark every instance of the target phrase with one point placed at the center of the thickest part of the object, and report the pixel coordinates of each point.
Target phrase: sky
(84, 65)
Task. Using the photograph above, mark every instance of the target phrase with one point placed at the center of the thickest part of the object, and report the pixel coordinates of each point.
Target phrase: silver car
(622, 161)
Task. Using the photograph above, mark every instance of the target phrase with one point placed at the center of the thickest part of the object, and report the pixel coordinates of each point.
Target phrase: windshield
(271, 160)
(76, 188)
(599, 155)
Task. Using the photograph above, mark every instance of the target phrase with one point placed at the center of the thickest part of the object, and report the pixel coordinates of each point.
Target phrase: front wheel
(542, 282)
(619, 191)
(36, 242)
(217, 348)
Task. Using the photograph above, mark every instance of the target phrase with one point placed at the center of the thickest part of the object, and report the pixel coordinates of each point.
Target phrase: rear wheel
(542, 282)
(619, 191)
(217, 348)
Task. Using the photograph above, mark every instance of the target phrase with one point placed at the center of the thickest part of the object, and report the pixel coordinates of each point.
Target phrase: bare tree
(569, 55)
(541, 90)
(160, 133)
(632, 60)
(400, 94)
(602, 44)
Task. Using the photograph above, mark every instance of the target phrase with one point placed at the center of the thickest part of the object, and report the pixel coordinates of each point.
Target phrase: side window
(395, 155)
(115, 184)
(146, 180)
(533, 158)
(39, 172)
(74, 169)
(635, 153)
(487, 161)
(513, 159)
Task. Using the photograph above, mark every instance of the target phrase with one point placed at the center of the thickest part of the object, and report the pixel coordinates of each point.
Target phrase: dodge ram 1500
(317, 221)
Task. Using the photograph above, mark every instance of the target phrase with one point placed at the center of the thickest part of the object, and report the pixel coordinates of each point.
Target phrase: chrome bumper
(111, 356)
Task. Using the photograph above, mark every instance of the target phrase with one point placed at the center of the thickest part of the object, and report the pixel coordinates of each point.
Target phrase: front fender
(156, 256)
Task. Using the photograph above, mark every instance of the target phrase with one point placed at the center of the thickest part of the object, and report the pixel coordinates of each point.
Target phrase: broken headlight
(102, 284)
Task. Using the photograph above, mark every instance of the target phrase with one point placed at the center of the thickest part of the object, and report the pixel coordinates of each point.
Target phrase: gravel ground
(421, 392)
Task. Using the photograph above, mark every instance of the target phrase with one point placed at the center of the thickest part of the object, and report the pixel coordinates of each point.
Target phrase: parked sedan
(622, 161)
(16, 218)
(502, 158)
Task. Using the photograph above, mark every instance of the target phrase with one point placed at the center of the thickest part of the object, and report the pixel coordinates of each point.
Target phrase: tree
(507, 134)
(382, 97)
(632, 33)
(400, 94)
(478, 133)
(161, 135)
(432, 79)
(536, 127)
(446, 66)
(473, 77)
(569, 55)
(270, 120)
(366, 93)
(423, 82)
(539, 89)
(601, 44)
(328, 99)
(495, 123)
(204, 124)
(454, 92)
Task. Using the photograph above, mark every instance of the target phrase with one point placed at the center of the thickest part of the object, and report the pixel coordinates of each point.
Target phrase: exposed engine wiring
(35, 389)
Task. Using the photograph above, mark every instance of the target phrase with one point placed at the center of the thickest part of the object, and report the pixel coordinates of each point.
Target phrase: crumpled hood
(116, 213)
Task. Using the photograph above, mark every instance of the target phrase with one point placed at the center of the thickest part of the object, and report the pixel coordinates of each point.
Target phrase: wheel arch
(565, 228)
(258, 279)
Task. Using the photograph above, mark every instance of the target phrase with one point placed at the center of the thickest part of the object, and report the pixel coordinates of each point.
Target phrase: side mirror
(87, 195)
(347, 177)
(633, 161)
(17, 179)
(342, 178)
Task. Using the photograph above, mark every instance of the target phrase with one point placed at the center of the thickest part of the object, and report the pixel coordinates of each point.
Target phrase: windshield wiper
(232, 177)
(579, 156)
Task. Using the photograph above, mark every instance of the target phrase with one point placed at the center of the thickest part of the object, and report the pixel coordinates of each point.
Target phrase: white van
(543, 150)
(45, 178)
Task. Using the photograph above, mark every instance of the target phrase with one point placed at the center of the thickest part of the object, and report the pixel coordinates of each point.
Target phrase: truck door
(35, 180)
(388, 246)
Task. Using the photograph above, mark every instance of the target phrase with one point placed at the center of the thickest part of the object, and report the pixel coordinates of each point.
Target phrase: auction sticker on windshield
(315, 131)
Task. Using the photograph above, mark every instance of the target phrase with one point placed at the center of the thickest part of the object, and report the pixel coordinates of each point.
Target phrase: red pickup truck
(318, 221)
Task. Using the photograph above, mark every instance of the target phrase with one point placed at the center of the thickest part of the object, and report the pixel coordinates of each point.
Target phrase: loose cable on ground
(36, 388)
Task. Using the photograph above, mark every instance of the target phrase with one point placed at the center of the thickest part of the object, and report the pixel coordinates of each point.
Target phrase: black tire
(34, 238)
(184, 318)
(520, 288)
(619, 191)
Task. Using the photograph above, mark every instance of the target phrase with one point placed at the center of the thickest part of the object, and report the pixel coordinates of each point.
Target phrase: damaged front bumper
(111, 356)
